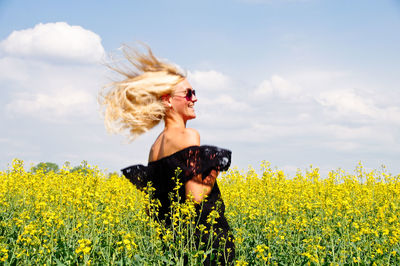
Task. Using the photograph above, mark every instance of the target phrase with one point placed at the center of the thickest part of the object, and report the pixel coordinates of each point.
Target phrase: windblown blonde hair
(134, 103)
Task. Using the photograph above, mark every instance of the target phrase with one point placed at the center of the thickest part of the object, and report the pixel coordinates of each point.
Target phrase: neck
(174, 122)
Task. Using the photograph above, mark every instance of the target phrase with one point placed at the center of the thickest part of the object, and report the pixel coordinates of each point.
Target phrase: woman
(157, 91)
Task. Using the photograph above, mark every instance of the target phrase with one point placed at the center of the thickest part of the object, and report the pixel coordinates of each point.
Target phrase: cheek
(181, 103)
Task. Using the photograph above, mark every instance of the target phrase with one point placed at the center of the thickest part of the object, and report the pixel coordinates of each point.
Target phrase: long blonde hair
(134, 103)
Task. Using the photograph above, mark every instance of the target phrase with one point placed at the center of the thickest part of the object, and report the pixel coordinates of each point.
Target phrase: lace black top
(195, 162)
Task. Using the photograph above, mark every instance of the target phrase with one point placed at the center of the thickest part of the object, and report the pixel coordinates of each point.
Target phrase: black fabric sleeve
(137, 174)
(194, 162)
(198, 161)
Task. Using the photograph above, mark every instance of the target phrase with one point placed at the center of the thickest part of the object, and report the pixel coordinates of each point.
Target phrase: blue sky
(291, 82)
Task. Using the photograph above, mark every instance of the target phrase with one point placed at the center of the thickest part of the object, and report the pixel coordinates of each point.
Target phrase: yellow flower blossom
(89, 216)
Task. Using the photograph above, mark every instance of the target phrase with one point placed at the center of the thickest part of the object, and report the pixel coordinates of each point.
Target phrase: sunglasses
(189, 94)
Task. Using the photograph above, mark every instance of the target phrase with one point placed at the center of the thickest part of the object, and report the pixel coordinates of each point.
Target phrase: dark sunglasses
(189, 94)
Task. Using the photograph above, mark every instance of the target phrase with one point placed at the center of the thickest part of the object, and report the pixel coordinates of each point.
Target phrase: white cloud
(277, 87)
(50, 92)
(14, 70)
(360, 134)
(52, 106)
(36, 87)
(345, 146)
(55, 41)
(328, 96)
(225, 102)
(391, 114)
(218, 100)
(347, 102)
(320, 79)
(355, 105)
(4, 140)
(311, 108)
(209, 80)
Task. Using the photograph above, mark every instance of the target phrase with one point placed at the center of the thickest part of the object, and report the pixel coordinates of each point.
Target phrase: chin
(190, 117)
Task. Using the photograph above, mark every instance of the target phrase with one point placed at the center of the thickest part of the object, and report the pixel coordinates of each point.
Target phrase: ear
(166, 99)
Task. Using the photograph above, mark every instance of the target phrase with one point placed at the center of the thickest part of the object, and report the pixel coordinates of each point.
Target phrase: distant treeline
(47, 167)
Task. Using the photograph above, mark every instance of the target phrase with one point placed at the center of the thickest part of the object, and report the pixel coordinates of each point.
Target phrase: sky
(292, 82)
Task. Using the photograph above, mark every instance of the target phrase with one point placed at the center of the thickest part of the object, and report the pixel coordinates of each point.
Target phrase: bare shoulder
(173, 140)
(190, 137)
(192, 133)
(183, 138)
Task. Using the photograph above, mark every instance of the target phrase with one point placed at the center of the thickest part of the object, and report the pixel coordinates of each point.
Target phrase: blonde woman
(154, 91)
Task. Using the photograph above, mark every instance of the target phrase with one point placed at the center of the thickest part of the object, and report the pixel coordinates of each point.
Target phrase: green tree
(46, 167)
(82, 168)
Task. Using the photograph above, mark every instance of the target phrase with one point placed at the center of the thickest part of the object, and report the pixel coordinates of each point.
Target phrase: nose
(194, 98)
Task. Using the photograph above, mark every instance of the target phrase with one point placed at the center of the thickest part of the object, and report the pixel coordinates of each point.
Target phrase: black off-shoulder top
(194, 162)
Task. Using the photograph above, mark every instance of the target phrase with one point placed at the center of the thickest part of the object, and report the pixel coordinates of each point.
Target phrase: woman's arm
(197, 187)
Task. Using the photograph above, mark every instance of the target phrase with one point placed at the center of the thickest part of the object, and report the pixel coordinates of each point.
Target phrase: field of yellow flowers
(88, 217)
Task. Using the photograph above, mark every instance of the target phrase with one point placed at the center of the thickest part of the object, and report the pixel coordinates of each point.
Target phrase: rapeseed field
(88, 217)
